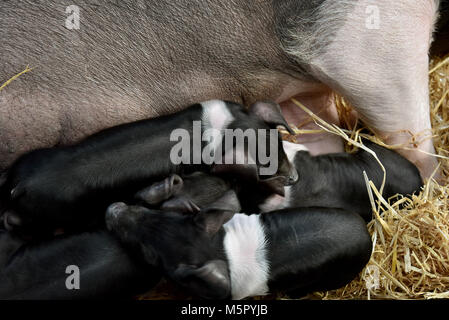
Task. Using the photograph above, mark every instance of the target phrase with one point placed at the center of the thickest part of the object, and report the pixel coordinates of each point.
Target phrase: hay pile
(410, 257)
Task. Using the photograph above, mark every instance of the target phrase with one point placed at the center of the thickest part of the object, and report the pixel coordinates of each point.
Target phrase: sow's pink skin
(155, 57)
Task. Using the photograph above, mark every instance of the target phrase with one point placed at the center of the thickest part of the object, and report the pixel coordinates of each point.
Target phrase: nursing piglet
(70, 187)
(336, 180)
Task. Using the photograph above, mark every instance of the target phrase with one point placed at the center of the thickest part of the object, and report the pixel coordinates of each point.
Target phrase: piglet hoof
(160, 191)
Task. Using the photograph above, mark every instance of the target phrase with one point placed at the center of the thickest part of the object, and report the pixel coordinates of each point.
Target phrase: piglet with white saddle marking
(118, 68)
(300, 250)
(106, 267)
(70, 187)
(336, 180)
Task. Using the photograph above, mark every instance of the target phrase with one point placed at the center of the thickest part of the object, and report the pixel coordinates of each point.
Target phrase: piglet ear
(160, 191)
(275, 185)
(212, 218)
(227, 202)
(180, 204)
(211, 281)
(270, 112)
